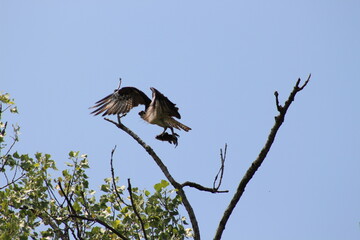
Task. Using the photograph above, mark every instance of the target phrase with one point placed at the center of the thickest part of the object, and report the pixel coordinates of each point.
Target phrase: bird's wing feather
(121, 101)
(163, 105)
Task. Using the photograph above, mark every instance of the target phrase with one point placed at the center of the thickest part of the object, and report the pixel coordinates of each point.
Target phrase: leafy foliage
(36, 205)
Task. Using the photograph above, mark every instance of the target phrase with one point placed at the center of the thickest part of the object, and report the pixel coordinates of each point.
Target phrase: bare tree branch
(221, 170)
(135, 210)
(214, 189)
(202, 188)
(279, 119)
(167, 174)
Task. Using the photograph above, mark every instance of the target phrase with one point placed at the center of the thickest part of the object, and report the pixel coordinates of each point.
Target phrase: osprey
(159, 110)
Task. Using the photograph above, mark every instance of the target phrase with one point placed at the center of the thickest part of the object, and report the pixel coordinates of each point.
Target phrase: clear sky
(220, 62)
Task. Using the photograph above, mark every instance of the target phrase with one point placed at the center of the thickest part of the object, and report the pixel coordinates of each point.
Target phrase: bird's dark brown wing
(121, 101)
(163, 105)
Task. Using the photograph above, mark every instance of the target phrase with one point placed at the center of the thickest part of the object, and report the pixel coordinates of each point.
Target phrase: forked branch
(167, 174)
(279, 119)
(221, 170)
(217, 180)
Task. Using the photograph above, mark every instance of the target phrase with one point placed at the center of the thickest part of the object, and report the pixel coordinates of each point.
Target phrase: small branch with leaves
(73, 214)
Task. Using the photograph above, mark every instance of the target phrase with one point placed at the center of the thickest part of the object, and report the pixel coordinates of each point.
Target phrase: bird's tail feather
(178, 125)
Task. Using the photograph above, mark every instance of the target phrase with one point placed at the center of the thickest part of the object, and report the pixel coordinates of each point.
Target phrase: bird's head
(142, 113)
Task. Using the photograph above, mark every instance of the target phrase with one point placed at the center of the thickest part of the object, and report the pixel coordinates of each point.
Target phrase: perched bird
(159, 110)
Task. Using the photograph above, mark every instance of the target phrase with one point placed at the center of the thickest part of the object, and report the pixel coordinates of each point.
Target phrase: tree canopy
(39, 201)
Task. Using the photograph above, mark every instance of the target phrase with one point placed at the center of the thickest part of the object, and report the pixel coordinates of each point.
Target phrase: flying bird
(159, 110)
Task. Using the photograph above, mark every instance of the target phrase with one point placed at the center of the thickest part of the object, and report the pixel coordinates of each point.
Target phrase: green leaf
(164, 183)
(5, 98)
(105, 188)
(69, 164)
(16, 155)
(76, 206)
(159, 186)
(38, 155)
(73, 154)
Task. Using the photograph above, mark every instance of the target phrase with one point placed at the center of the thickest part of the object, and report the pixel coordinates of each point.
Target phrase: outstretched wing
(121, 101)
(163, 106)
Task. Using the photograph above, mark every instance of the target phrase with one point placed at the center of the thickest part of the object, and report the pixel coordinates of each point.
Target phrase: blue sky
(220, 62)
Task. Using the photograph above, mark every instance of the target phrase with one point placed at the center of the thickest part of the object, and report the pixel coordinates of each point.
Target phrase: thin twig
(135, 210)
(214, 189)
(279, 119)
(86, 205)
(13, 181)
(6, 108)
(120, 80)
(50, 191)
(72, 179)
(113, 179)
(5, 156)
(221, 170)
(278, 106)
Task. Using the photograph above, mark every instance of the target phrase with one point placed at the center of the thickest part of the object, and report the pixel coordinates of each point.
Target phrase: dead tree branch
(202, 188)
(279, 119)
(214, 189)
(221, 170)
